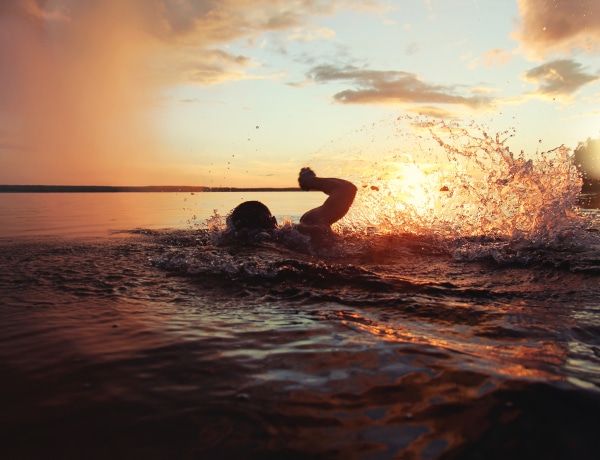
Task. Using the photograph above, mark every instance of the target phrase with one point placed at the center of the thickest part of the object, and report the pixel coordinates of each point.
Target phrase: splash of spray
(453, 181)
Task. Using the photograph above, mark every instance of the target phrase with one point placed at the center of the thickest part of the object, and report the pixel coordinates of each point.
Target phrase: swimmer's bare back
(341, 196)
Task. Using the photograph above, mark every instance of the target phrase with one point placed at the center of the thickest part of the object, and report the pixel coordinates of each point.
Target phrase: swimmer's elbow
(347, 186)
(351, 189)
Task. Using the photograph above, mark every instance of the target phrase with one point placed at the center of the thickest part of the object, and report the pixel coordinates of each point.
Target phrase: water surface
(131, 330)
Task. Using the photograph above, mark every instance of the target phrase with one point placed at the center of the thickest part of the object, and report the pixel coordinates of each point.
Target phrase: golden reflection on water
(509, 358)
(99, 214)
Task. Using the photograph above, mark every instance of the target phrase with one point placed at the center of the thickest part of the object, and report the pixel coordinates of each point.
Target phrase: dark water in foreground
(180, 343)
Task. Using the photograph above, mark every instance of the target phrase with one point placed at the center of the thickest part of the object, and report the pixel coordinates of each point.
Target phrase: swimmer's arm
(328, 185)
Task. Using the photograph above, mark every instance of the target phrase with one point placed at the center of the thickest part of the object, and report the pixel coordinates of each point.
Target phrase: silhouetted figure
(253, 215)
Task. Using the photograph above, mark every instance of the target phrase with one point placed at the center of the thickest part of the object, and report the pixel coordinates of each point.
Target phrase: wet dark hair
(251, 215)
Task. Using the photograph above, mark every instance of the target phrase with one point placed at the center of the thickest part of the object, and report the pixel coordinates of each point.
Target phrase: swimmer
(253, 215)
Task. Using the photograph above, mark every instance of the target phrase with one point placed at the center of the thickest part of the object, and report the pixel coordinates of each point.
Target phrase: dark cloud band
(379, 86)
(559, 78)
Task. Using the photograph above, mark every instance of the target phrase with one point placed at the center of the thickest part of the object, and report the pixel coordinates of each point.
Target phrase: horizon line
(134, 188)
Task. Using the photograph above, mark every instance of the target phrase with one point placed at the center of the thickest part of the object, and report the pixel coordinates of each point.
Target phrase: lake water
(132, 329)
(101, 214)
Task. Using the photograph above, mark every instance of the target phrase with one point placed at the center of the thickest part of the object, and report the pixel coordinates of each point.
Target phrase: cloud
(209, 66)
(471, 62)
(496, 57)
(433, 112)
(50, 13)
(377, 86)
(202, 26)
(550, 26)
(220, 21)
(190, 35)
(481, 90)
(412, 48)
(309, 34)
(560, 78)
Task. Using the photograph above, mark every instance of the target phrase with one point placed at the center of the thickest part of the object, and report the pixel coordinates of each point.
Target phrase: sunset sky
(245, 92)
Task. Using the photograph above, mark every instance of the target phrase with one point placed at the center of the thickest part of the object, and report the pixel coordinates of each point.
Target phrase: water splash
(450, 189)
(436, 178)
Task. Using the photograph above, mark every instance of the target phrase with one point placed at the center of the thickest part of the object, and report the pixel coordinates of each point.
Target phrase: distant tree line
(587, 160)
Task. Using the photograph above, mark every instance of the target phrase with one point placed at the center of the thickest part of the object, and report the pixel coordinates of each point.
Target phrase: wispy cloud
(496, 58)
(558, 79)
(210, 66)
(433, 112)
(311, 33)
(412, 48)
(391, 86)
(55, 12)
(551, 26)
(220, 21)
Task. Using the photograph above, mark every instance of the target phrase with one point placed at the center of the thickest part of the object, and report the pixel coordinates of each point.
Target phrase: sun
(415, 186)
(419, 187)
(404, 196)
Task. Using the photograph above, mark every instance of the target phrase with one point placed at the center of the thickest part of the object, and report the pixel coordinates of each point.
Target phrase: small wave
(286, 254)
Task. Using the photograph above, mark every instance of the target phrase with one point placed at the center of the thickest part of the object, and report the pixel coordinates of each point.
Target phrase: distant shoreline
(129, 189)
(589, 186)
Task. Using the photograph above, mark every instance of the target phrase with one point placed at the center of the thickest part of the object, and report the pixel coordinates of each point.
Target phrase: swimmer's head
(251, 215)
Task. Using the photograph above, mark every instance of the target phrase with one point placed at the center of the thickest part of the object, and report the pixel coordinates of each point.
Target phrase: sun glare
(410, 195)
(415, 187)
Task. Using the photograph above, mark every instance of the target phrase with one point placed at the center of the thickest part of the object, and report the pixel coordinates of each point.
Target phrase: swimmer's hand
(305, 178)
